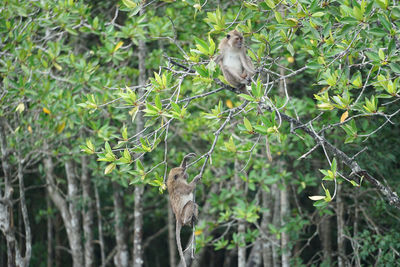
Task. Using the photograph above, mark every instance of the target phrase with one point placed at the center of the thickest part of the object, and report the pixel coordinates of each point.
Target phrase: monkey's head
(235, 39)
(177, 173)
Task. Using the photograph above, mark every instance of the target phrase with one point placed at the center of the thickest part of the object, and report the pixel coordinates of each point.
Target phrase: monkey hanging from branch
(236, 66)
(182, 200)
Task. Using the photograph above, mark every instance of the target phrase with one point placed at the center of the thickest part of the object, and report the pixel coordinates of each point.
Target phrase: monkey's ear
(176, 176)
(228, 36)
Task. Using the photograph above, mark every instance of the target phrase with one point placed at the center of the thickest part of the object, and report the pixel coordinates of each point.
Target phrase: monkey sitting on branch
(182, 201)
(236, 66)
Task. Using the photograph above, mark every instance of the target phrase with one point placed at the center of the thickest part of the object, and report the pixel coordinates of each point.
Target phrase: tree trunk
(241, 223)
(254, 259)
(71, 222)
(14, 257)
(50, 242)
(87, 213)
(276, 222)
(340, 226)
(75, 223)
(138, 212)
(24, 210)
(285, 236)
(100, 226)
(171, 236)
(121, 258)
(266, 220)
(325, 234)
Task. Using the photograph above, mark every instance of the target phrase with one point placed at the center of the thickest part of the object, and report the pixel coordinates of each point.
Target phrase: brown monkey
(181, 199)
(235, 64)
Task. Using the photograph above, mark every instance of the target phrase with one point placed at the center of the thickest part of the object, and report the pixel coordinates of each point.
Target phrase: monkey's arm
(232, 77)
(218, 58)
(247, 64)
(184, 188)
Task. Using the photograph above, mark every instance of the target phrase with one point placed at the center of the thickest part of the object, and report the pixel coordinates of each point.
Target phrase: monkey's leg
(234, 79)
(189, 211)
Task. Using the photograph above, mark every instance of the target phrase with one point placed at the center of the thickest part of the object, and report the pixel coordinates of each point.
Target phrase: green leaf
(247, 97)
(129, 3)
(247, 124)
(395, 67)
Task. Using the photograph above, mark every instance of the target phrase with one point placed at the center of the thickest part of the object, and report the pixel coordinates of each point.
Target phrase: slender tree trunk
(75, 223)
(71, 222)
(266, 220)
(229, 257)
(285, 236)
(340, 226)
(87, 213)
(355, 231)
(171, 236)
(28, 236)
(100, 226)
(255, 255)
(325, 228)
(50, 242)
(121, 258)
(139, 189)
(276, 222)
(241, 223)
(14, 257)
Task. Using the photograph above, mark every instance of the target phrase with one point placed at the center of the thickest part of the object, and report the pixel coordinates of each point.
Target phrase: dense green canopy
(100, 99)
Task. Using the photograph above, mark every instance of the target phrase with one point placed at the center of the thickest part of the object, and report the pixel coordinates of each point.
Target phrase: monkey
(236, 66)
(181, 199)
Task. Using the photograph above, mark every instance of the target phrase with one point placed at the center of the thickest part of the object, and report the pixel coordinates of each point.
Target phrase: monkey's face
(235, 39)
(178, 173)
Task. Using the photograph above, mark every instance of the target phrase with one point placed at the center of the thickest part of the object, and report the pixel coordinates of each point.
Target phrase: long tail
(178, 242)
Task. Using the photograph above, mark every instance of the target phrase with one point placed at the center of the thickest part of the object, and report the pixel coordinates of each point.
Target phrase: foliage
(69, 70)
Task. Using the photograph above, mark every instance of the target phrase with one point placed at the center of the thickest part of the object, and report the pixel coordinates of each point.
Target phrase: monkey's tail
(178, 242)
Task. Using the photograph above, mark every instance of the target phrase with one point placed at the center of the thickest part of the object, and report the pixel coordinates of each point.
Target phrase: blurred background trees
(99, 99)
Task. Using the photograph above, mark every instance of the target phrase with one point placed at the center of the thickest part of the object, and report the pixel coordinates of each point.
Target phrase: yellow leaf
(129, 3)
(45, 110)
(229, 103)
(20, 107)
(315, 198)
(120, 43)
(58, 67)
(60, 127)
(29, 129)
(344, 116)
(198, 232)
(109, 168)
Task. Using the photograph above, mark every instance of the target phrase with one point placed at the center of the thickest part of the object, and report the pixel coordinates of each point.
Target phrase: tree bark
(50, 242)
(71, 222)
(266, 220)
(14, 257)
(241, 223)
(139, 189)
(75, 223)
(276, 222)
(340, 226)
(100, 226)
(255, 256)
(87, 213)
(325, 234)
(121, 258)
(171, 236)
(28, 236)
(285, 207)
